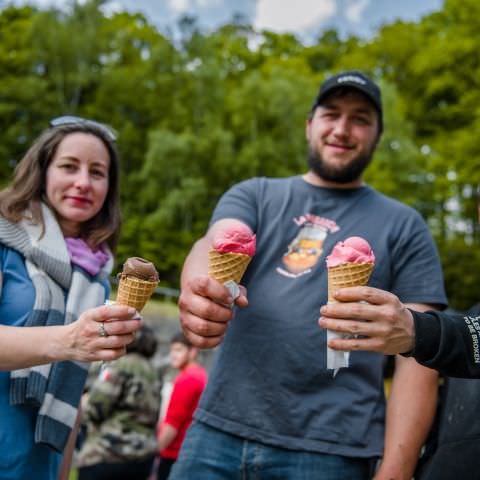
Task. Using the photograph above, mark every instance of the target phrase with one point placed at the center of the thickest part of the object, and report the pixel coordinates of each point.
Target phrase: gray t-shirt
(269, 382)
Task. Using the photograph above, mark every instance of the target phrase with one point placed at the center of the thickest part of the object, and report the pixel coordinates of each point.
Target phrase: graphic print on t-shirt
(307, 246)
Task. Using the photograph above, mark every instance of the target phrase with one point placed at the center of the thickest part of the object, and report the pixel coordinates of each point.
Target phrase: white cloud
(111, 8)
(184, 6)
(209, 3)
(355, 9)
(47, 3)
(179, 6)
(293, 16)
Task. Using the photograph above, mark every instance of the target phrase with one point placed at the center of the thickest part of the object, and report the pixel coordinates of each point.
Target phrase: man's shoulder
(267, 181)
(391, 204)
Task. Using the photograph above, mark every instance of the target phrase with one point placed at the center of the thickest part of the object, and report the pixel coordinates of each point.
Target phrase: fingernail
(131, 310)
(229, 300)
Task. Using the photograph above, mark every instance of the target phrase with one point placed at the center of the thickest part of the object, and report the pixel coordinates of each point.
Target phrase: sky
(305, 18)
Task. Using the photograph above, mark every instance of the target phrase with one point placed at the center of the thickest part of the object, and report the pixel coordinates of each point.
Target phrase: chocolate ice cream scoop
(140, 268)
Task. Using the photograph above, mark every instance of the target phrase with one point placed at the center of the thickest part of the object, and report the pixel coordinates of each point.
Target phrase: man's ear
(308, 124)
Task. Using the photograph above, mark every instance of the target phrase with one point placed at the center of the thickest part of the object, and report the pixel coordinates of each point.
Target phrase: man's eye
(362, 120)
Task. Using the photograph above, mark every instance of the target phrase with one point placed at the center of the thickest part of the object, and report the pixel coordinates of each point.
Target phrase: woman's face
(77, 180)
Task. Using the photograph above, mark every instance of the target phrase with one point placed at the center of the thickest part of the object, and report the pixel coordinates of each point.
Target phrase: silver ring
(102, 332)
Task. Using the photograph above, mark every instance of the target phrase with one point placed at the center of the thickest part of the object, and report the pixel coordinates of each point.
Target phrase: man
(187, 388)
(272, 408)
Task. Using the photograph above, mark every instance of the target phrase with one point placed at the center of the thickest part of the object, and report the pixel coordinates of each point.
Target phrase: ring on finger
(102, 332)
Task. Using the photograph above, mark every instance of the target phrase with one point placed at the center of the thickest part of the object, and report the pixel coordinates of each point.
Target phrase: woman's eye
(68, 166)
(98, 173)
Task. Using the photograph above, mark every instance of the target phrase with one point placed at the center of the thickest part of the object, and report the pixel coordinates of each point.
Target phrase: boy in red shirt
(187, 388)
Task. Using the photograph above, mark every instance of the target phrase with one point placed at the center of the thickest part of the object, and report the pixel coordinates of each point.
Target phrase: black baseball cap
(356, 80)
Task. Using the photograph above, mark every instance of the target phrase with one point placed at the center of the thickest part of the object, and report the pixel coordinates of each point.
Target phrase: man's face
(342, 136)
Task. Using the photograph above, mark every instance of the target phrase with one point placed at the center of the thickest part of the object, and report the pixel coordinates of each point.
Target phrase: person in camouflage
(120, 413)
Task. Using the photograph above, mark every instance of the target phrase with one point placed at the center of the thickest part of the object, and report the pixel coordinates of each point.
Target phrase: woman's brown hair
(23, 196)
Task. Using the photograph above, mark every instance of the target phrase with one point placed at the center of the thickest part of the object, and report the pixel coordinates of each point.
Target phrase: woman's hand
(101, 333)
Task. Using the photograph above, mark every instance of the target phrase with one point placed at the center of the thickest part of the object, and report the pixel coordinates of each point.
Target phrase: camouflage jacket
(121, 412)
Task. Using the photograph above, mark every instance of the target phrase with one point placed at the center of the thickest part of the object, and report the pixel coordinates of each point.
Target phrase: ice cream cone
(227, 266)
(347, 275)
(134, 292)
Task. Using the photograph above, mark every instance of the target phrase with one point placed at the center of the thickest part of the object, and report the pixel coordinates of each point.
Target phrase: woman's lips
(79, 201)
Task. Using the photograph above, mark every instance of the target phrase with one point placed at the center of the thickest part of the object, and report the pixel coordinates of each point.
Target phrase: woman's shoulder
(10, 256)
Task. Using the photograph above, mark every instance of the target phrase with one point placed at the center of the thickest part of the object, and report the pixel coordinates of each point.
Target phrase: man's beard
(345, 174)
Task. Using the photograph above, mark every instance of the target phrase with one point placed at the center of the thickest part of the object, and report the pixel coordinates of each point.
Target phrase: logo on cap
(352, 78)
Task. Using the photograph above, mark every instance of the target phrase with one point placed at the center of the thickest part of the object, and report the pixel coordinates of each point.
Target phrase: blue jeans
(209, 454)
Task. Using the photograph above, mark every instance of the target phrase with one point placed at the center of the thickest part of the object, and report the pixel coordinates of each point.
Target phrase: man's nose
(341, 127)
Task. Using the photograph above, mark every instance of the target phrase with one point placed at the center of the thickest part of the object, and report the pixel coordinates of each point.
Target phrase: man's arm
(410, 412)
(205, 304)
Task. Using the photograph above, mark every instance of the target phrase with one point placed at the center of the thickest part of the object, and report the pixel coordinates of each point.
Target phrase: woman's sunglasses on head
(73, 120)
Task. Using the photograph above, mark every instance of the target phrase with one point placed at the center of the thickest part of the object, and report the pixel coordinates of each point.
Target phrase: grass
(157, 307)
(161, 308)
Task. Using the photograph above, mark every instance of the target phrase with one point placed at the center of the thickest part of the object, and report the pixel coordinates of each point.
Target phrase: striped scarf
(62, 293)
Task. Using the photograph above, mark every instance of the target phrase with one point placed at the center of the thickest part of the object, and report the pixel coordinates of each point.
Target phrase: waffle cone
(134, 292)
(348, 275)
(227, 266)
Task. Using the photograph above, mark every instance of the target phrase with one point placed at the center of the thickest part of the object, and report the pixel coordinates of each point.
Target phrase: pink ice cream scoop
(237, 239)
(352, 250)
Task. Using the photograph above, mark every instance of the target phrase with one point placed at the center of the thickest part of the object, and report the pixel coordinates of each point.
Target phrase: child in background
(187, 388)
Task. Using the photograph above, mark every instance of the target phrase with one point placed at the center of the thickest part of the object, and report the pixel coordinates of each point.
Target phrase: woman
(120, 412)
(59, 222)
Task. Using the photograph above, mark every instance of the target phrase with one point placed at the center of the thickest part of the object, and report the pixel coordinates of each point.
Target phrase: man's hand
(383, 324)
(205, 310)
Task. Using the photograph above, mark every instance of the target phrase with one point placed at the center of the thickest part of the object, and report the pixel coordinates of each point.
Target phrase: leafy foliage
(197, 114)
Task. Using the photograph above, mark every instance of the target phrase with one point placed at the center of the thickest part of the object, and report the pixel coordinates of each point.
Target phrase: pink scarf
(83, 256)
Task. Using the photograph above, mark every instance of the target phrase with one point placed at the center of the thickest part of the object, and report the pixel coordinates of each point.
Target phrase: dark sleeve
(448, 343)
(240, 203)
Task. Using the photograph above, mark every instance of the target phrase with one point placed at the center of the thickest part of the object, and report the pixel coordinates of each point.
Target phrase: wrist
(57, 346)
(409, 347)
